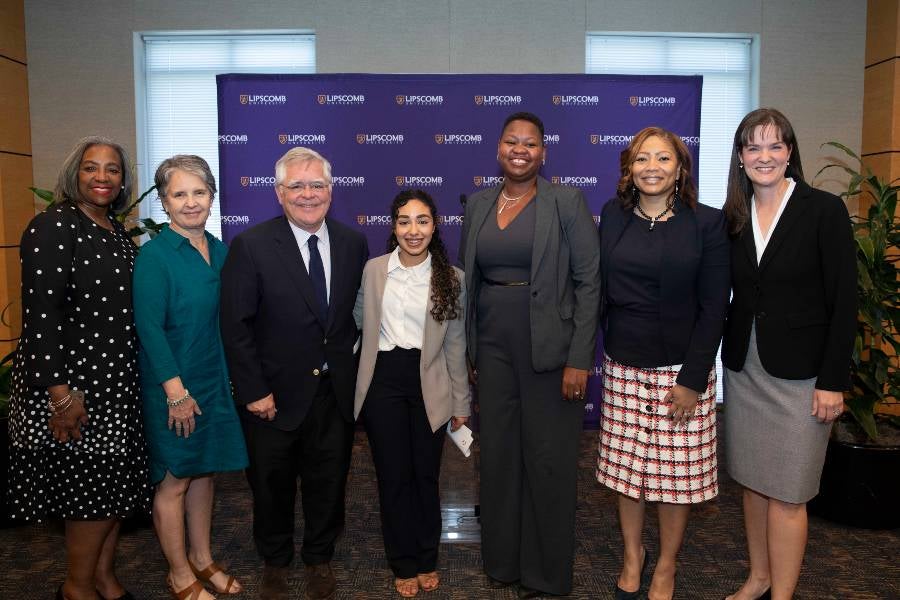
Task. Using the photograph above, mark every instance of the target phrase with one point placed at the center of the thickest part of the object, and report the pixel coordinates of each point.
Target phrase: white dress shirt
(759, 239)
(404, 307)
(324, 246)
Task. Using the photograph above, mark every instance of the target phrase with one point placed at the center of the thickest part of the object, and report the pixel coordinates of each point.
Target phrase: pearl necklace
(510, 201)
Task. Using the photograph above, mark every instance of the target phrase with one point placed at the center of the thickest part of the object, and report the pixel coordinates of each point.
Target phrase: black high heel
(766, 595)
(622, 594)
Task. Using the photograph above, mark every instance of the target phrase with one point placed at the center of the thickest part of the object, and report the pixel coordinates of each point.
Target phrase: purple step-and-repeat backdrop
(439, 133)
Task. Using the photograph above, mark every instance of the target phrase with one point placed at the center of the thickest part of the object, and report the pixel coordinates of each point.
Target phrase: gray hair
(67, 182)
(189, 163)
(299, 153)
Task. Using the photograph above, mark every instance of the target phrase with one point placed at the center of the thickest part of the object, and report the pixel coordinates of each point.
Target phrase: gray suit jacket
(445, 381)
(565, 275)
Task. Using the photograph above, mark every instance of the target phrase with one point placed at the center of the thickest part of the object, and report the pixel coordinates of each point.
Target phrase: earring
(788, 163)
(498, 157)
(123, 187)
(676, 196)
(543, 161)
(740, 165)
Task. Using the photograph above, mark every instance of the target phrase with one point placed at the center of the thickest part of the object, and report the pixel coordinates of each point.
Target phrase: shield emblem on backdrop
(554, 179)
(360, 138)
(633, 100)
(595, 139)
(321, 98)
(479, 100)
(557, 99)
(361, 219)
(400, 179)
(245, 181)
(245, 98)
(478, 180)
(282, 138)
(439, 138)
(399, 99)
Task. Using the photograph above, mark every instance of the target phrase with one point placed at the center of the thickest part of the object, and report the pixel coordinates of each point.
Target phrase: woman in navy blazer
(665, 280)
(787, 344)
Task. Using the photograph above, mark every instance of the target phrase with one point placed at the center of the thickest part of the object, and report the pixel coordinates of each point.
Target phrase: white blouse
(404, 306)
(759, 239)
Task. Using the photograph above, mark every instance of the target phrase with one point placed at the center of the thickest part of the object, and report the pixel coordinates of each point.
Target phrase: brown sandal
(429, 581)
(206, 575)
(191, 592)
(407, 588)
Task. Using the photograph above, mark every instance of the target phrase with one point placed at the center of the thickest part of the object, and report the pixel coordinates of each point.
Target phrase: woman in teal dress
(189, 415)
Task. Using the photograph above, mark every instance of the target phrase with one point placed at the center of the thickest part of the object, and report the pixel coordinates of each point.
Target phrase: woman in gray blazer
(412, 380)
(531, 258)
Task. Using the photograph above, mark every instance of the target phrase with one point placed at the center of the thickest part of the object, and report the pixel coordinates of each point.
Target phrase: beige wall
(16, 205)
(81, 54)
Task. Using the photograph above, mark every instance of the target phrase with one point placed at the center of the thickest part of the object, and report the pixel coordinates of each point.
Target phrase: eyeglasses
(315, 187)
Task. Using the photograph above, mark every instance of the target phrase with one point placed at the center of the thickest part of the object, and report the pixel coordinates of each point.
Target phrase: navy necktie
(317, 275)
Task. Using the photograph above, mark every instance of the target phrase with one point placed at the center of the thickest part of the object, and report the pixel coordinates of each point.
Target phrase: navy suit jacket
(802, 294)
(694, 283)
(274, 339)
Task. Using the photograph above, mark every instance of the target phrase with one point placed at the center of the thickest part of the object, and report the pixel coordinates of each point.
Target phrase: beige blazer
(445, 381)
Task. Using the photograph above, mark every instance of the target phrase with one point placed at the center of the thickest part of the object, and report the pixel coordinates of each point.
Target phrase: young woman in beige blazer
(412, 380)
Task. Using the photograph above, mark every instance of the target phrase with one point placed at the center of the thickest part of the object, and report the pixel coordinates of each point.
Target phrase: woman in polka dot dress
(77, 448)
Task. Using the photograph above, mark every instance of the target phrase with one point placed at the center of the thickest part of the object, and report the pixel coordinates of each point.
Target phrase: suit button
(316, 372)
(534, 294)
(324, 341)
(761, 314)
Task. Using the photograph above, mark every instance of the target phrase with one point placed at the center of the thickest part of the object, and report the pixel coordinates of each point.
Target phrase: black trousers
(407, 456)
(319, 453)
(529, 451)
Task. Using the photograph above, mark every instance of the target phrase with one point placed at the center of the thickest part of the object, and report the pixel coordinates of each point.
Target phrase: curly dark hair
(445, 285)
(627, 193)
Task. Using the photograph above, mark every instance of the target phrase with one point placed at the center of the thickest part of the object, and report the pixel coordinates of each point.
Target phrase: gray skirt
(773, 445)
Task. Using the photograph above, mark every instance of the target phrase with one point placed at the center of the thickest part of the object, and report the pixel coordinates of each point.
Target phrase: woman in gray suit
(531, 258)
(412, 380)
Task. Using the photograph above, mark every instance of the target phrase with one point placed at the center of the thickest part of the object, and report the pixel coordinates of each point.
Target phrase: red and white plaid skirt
(642, 453)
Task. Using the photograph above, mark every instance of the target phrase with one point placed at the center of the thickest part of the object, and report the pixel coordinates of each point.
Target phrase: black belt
(505, 283)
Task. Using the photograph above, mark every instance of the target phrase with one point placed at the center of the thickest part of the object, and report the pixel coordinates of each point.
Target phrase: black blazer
(802, 294)
(693, 284)
(274, 340)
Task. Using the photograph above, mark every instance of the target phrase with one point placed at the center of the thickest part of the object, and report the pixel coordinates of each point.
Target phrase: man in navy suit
(288, 289)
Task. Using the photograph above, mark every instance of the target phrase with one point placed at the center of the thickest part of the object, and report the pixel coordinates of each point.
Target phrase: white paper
(462, 437)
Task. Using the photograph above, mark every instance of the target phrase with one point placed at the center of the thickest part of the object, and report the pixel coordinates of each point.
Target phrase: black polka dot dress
(78, 328)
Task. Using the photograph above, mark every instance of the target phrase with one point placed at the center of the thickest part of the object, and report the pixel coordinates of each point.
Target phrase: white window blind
(726, 64)
(180, 108)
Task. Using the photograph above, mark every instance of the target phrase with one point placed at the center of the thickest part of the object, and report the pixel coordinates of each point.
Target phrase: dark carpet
(841, 562)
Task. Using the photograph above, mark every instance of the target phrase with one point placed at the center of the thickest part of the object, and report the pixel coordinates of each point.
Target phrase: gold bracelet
(172, 403)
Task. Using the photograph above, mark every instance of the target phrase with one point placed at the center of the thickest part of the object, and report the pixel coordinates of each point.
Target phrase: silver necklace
(510, 201)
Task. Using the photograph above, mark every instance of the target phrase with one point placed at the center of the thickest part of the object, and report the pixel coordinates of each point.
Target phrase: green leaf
(45, 195)
(868, 248)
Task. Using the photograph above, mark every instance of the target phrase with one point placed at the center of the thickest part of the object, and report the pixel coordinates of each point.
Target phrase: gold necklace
(510, 201)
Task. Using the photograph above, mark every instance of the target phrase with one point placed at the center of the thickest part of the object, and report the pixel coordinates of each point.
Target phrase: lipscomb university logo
(321, 98)
(595, 138)
(400, 179)
(479, 100)
(554, 179)
(282, 138)
(360, 138)
(400, 99)
(245, 181)
(633, 100)
(439, 138)
(361, 219)
(245, 98)
(478, 180)
(557, 99)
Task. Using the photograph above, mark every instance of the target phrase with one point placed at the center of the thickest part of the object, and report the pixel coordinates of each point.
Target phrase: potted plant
(860, 483)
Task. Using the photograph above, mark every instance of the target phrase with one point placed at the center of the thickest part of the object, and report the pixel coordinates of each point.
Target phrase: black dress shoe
(126, 596)
(622, 594)
(527, 592)
(320, 582)
(498, 584)
(766, 595)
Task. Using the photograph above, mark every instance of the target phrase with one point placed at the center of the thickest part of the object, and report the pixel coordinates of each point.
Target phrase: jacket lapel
(289, 253)
(433, 336)
(545, 219)
(480, 211)
(338, 253)
(793, 212)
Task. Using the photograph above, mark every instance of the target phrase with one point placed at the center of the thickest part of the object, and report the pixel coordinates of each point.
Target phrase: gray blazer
(445, 381)
(565, 275)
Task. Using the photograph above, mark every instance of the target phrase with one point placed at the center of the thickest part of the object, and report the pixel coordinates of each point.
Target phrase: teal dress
(176, 312)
